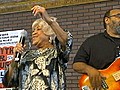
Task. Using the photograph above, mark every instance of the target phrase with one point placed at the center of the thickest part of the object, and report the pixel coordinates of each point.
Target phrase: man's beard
(116, 27)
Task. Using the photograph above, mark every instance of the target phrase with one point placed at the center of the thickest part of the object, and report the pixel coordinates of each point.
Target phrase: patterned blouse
(42, 69)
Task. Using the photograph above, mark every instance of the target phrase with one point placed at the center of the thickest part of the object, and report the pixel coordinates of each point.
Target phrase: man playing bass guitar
(98, 57)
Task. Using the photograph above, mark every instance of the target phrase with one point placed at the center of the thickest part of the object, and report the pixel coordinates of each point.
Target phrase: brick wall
(82, 21)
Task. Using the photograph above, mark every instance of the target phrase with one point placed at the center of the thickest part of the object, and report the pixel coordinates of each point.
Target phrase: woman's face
(38, 37)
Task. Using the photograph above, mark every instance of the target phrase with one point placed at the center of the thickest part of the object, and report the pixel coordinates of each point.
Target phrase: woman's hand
(38, 9)
(42, 12)
(18, 48)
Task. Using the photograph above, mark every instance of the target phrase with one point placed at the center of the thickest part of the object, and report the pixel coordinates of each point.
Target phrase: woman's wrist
(50, 22)
(13, 64)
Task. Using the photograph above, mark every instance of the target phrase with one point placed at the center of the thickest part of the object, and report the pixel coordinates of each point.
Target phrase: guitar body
(111, 74)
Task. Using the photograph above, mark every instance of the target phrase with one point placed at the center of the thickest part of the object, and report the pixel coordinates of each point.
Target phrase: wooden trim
(26, 5)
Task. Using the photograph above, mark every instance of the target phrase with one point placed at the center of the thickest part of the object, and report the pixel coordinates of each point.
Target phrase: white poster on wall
(8, 40)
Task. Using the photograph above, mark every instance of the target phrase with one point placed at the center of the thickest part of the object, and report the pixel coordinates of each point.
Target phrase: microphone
(22, 41)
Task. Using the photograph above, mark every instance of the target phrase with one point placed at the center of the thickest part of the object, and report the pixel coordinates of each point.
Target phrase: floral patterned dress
(42, 69)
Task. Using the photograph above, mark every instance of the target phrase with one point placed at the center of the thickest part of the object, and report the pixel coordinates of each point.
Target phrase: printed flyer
(8, 40)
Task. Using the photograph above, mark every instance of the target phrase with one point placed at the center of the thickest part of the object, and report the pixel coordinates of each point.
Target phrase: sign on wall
(8, 40)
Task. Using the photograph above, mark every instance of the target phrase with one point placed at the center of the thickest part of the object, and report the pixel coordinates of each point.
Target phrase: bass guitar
(111, 82)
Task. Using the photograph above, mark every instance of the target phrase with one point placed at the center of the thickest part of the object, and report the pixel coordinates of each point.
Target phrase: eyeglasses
(117, 15)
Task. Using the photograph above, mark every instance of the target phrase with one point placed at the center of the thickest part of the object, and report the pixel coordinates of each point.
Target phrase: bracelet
(51, 21)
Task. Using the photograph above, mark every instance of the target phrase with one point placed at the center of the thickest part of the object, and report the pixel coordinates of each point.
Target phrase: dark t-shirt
(98, 51)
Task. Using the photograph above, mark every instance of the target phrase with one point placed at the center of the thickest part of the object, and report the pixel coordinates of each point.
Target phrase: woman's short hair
(45, 27)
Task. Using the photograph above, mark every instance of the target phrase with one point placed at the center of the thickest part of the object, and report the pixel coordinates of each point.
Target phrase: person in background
(99, 51)
(44, 68)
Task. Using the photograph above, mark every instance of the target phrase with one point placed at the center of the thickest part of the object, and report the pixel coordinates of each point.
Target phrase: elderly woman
(44, 68)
